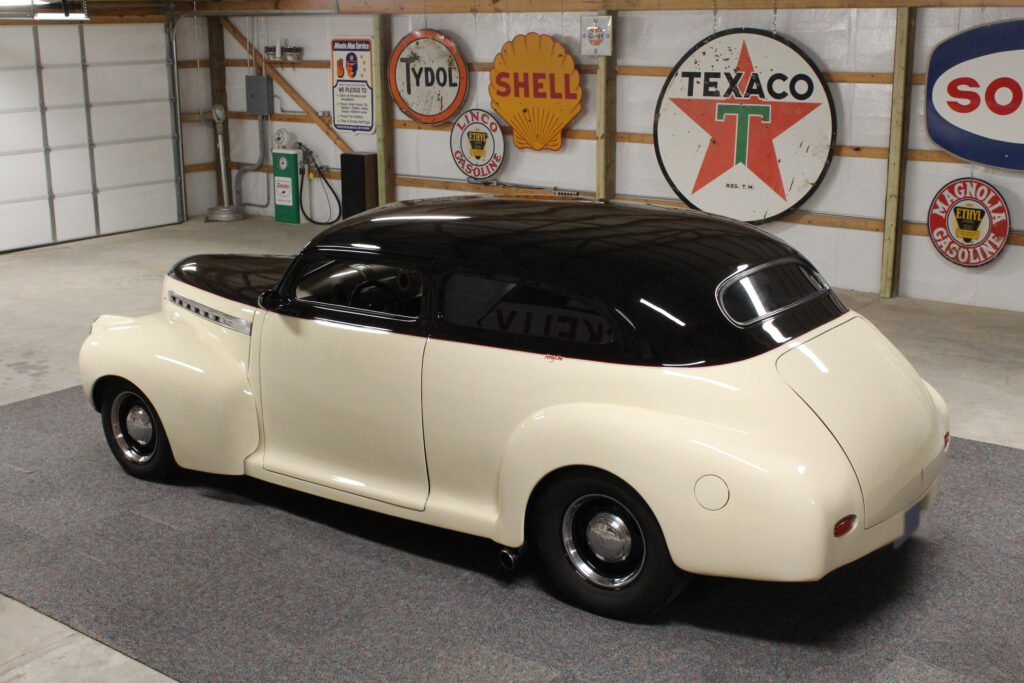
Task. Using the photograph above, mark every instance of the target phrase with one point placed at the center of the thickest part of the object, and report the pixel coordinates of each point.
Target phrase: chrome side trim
(220, 318)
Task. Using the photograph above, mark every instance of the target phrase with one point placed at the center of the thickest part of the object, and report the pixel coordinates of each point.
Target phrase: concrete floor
(973, 356)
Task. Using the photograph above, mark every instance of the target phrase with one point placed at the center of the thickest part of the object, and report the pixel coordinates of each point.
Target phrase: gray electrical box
(259, 95)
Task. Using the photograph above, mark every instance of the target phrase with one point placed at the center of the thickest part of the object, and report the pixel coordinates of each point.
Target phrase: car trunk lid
(876, 406)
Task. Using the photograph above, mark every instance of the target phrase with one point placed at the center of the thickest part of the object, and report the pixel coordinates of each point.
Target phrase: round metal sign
(968, 222)
(744, 126)
(478, 145)
(428, 76)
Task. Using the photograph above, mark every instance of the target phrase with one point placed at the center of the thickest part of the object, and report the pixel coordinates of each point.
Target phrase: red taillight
(844, 526)
(945, 442)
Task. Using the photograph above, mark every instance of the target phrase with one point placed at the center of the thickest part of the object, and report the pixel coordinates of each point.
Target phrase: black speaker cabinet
(358, 183)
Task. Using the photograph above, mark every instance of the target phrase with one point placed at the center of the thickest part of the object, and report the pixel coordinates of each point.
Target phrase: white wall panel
(130, 121)
(851, 187)
(107, 83)
(138, 207)
(20, 131)
(847, 258)
(137, 162)
(20, 90)
(191, 38)
(638, 174)
(925, 274)
(201, 189)
(59, 45)
(66, 127)
(254, 190)
(62, 86)
(197, 142)
(69, 171)
(25, 224)
(114, 43)
(22, 176)
(194, 90)
(16, 46)
(75, 218)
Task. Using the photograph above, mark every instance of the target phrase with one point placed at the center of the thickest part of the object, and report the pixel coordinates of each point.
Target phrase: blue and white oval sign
(975, 98)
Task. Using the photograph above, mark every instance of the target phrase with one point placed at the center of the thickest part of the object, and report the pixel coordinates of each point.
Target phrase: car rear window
(765, 291)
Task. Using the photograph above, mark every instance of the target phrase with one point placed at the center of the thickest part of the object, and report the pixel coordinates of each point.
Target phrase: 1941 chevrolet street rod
(636, 393)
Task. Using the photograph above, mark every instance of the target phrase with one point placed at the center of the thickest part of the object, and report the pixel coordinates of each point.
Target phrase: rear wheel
(602, 547)
(134, 432)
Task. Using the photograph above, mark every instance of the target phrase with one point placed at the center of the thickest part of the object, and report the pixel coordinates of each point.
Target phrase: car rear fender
(194, 372)
(780, 505)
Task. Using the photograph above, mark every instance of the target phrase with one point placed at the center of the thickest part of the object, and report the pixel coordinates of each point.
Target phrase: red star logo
(743, 129)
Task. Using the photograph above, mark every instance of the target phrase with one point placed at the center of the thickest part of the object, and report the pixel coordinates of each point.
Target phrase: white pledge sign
(352, 75)
(744, 126)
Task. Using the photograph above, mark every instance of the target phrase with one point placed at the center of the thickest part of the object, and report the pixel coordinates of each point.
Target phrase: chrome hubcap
(139, 425)
(608, 537)
(603, 541)
(133, 428)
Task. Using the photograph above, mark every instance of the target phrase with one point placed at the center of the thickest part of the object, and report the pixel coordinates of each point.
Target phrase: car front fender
(194, 372)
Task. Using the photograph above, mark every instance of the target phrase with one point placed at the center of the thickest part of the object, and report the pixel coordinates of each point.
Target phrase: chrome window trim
(747, 272)
(227, 320)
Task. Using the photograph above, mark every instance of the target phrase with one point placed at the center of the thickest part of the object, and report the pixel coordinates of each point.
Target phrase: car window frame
(722, 286)
(442, 329)
(316, 310)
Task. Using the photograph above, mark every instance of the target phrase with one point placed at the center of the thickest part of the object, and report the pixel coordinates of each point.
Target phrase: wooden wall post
(892, 231)
(606, 106)
(219, 95)
(382, 107)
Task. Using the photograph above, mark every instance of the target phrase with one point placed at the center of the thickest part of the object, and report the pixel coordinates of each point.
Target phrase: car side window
(355, 283)
(513, 309)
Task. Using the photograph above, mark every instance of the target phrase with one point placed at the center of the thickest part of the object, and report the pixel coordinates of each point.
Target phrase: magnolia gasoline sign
(744, 126)
(968, 222)
(428, 76)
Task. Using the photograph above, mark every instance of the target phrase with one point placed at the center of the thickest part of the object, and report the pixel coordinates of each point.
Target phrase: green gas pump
(287, 166)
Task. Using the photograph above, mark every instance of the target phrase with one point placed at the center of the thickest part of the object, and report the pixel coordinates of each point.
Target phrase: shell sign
(536, 88)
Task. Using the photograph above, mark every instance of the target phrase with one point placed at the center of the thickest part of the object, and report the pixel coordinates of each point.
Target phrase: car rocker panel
(799, 447)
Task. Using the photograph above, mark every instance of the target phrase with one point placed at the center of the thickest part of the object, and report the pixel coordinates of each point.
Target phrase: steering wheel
(374, 296)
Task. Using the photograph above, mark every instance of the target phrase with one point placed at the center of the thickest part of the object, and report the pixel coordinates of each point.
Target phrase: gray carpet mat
(221, 578)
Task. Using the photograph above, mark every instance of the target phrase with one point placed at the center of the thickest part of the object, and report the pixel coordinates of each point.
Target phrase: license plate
(911, 521)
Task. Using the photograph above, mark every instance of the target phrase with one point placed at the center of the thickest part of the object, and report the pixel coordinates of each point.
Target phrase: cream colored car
(633, 394)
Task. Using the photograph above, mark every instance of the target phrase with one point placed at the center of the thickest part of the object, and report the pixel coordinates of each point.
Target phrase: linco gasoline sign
(428, 76)
(477, 143)
(536, 88)
(968, 222)
(744, 126)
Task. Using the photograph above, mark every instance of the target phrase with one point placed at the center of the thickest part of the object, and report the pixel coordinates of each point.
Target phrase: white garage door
(87, 134)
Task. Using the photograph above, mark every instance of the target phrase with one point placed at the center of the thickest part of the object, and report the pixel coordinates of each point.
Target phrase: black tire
(134, 432)
(602, 548)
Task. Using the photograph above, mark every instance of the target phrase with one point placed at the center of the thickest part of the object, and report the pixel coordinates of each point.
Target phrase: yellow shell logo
(536, 88)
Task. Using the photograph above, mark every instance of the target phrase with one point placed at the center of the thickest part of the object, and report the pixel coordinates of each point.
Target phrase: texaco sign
(428, 76)
(477, 143)
(968, 222)
(744, 126)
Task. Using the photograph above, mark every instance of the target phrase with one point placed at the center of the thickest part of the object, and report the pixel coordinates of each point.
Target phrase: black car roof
(589, 243)
(658, 269)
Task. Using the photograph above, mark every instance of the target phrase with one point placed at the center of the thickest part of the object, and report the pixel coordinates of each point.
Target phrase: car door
(340, 370)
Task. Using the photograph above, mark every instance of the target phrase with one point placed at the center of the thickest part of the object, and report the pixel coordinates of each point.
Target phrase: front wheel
(134, 432)
(602, 547)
